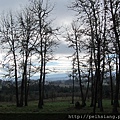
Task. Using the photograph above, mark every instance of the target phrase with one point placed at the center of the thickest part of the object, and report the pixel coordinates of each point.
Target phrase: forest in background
(29, 37)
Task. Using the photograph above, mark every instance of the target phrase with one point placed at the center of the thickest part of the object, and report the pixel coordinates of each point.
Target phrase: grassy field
(55, 110)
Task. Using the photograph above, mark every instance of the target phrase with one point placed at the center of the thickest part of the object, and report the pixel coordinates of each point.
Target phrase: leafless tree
(74, 39)
(41, 11)
(9, 41)
(114, 10)
(26, 30)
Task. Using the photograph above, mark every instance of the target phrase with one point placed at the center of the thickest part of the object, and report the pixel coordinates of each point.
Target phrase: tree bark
(115, 25)
(73, 77)
(111, 80)
(16, 82)
(79, 72)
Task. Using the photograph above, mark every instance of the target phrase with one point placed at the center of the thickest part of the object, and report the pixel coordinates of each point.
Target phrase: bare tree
(9, 41)
(41, 11)
(94, 16)
(74, 40)
(114, 8)
(26, 29)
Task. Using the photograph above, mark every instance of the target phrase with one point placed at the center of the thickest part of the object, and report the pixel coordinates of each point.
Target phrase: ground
(52, 110)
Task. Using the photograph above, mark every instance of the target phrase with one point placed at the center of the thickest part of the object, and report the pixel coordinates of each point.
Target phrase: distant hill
(53, 77)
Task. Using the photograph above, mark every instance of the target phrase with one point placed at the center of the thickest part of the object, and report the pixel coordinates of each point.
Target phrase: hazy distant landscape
(54, 77)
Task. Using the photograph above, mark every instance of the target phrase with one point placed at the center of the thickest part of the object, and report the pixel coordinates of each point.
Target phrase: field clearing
(57, 106)
(52, 110)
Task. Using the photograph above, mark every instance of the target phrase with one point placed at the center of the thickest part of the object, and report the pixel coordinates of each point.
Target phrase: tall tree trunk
(16, 82)
(26, 81)
(87, 85)
(115, 25)
(111, 81)
(44, 70)
(92, 92)
(116, 103)
(15, 62)
(28, 84)
(40, 84)
(92, 78)
(73, 77)
(41, 65)
(25, 69)
(95, 92)
(73, 89)
(103, 64)
(22, 91)
(43, 84)
(97, 75)
(79, 72)
(41, 75)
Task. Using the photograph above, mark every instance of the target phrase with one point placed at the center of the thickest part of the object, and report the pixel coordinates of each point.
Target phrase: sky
(63, 17)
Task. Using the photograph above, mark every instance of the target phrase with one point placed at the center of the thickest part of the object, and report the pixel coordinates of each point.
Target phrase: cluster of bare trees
(26, 37)
(97, 31)
(29, 36)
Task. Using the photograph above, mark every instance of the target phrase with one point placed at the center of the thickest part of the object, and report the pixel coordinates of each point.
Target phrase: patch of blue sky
(112, 55)
(52, 63)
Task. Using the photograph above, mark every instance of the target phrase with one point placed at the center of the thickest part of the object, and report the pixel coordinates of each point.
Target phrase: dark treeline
(7, 93)
(28, 38)
(50, 92)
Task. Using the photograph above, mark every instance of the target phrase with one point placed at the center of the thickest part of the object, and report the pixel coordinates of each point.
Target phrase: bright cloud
(62, 65)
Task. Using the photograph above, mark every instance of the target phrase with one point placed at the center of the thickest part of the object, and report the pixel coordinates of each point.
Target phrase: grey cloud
(63, 49)
(6, 5)
(60, 12)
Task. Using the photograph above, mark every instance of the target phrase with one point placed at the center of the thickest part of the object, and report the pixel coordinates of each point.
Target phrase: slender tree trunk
(41, 67)
(92, 92)
(40, 84)
(15, 63)
(25, 69)
(101, 84)
(73, 77)
(97, 75)
(26, 81)
(116, 103)
(103, 64)
(44, 70)
(87, 86)
(115, 25)
(79, 73)
(22, 85)
(22, 91)
(16, 82)
(41, 76)
(42, 59)
(92, 78)
(73, 89)
(28, 84)
(111, 81)
(43, 85)
(95, 93)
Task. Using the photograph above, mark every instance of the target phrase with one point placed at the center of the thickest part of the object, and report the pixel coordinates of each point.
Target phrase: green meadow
(52, 110)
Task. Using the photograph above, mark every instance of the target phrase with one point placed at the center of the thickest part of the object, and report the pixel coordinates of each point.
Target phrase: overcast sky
(63, 17)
